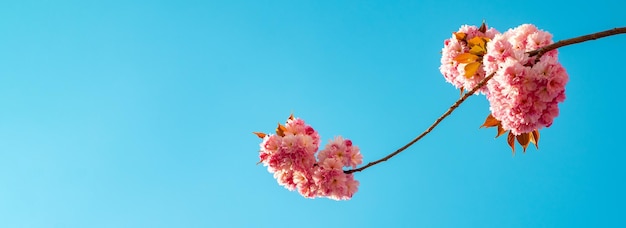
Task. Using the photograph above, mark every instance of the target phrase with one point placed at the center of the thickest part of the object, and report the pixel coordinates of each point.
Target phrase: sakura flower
(290, 156)
(469, 41)
(525, 91)
(297, 126)
(285, 178)
(343, 150)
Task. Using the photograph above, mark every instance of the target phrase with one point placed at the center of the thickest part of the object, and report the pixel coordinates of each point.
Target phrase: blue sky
(140, 113)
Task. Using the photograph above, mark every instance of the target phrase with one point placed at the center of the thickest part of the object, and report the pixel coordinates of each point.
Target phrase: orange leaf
(511, 140)
(477, 50)
(280, 130)
(535, 135)
(478, 45)
(471, 68)
(477, 41)
(260, 134)
(524, 140)
(483, 27)
(490, 122)
(501, 130)
(291, 117)
(459, 35)
(466, 58)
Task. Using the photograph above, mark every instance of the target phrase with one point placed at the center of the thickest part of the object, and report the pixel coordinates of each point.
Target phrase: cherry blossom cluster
(525, 90)
(455, 72)
(290, 155)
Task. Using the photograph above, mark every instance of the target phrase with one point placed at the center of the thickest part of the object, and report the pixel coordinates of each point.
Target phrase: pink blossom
(331, 180)
(343, 150)
(305, 184)
(290, 156)
(454, 72)
(297, 126)
(356, 157)
(285, 178)
(524, 92)
(352, 186)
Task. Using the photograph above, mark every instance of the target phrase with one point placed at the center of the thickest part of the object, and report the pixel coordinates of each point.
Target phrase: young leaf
(490, 122)
(524, 140)
(478, 45)
(535, 134)
(471, 68)
(477, 50)
(511, 140)
(280, 130)
(501, 130)
(477, 41)
(260, 134)
(483, 27)
(459, 35)
(466, 58)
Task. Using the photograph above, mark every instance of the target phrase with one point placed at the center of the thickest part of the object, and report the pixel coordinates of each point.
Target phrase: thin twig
(446, 114)
(539, 52)
(456, 104)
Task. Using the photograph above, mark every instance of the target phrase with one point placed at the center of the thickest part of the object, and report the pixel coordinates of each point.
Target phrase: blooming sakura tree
(518, 72)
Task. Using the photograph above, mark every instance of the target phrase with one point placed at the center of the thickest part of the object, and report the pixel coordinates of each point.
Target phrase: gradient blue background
(140, 113)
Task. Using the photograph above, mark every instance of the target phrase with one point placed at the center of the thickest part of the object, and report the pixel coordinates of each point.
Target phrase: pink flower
(334, 183)
(352, 186)
(356, 158)
(296, 152)
(290, 156)
(304, 183)
(331, 181)
(524, 92)
(332, 164)
(285, 178)
(453, 71)
(342, 150)
(329, 177)
(297, 126)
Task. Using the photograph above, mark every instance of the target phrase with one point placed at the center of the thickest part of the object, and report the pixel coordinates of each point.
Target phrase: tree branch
(446, 114)
(539, 52)
(456, 104)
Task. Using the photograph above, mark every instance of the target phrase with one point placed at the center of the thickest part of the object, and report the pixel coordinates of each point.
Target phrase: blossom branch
(539, 52)
(429, 129)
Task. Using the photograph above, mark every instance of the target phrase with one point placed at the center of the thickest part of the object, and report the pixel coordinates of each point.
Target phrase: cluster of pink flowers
(291, 156)
(453, 71)
(525, 91)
